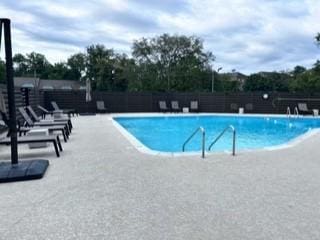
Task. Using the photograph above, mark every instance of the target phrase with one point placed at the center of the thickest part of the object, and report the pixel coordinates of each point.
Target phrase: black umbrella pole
(10, 88)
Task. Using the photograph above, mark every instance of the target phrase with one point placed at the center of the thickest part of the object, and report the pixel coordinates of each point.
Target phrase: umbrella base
(23, 171)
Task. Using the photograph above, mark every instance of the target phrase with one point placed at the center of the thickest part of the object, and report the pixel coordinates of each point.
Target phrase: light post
(112, 74)
(212, 79)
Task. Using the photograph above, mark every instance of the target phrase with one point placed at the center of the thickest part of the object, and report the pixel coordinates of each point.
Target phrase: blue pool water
(167, 134)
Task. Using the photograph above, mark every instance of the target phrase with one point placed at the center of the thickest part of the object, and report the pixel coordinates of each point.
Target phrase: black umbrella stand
(15, 170)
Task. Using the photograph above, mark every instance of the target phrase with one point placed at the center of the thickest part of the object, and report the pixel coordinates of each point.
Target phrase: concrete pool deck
(103, 188)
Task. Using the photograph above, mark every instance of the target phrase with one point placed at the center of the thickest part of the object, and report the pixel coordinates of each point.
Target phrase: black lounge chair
(44, 112)
(51, 130)
(194, 106)
(234, 107)
(304, 110)
(31, 123)
(163, 106)
(65, 111)
(175, 106)
(36, 139)
(55, 120)
(248, 107)
(100, 107)
(23, 130)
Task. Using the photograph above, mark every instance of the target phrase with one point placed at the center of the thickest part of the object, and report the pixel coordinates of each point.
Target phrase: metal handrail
(203, 140)
(288, 112)
(221, 134)
(296, 112)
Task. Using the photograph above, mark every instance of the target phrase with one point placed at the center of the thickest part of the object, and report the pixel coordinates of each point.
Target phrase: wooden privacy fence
(33, 97)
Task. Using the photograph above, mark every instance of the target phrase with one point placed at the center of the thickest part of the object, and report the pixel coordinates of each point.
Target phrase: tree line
(163, 63)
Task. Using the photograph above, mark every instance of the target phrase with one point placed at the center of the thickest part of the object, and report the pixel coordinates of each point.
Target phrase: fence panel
(149, 102)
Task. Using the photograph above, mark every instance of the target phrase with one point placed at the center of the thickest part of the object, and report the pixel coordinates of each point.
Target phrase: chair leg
(67, 130)
(67, 135)
(59, 143)
(56, 148)
(70, 124)
(64, 135)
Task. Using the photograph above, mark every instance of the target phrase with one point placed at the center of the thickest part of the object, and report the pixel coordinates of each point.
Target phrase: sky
(245, 35)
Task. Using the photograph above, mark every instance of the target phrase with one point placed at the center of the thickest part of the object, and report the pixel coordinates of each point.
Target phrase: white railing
(233, 139)
(201, 129)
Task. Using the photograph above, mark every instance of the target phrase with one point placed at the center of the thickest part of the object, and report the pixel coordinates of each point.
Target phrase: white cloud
(247, 35)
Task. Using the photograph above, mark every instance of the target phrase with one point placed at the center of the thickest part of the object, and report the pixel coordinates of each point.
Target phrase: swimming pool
(168, 133)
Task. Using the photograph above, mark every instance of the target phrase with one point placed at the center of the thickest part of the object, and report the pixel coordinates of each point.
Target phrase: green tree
(124, 68)
(20, 63)
(306, 82)
(316, 68)
(59, 71)
(100, 67)
(267, 81)
(76, 64)
(169, 63)
(107, 70)
(279, 81)
(257, 82)
(318, 39)
(298, 70)
(38, 65)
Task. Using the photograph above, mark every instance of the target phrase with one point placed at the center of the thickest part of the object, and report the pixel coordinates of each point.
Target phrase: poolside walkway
(103, 188)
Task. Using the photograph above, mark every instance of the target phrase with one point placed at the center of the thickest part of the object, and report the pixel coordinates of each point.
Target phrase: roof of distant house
(27, 82)
(59, 84)
(236, 76)
(47, 84)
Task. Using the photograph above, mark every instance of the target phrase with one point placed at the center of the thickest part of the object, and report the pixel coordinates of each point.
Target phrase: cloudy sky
(246, 35)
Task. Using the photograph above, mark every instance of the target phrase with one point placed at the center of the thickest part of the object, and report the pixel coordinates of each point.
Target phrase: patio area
(103, 188)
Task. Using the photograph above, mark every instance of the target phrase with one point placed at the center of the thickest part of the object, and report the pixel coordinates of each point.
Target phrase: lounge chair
(65, 111)
(100, 107)
(36, 139)
(175, 106)
(248, 107)
(51, 130)
(194, 106)
(163, 106)
(29, 122)
(303, 109)
(55, 120)
(23, 130)
(31, 139)
(234, 107)
(44, 112)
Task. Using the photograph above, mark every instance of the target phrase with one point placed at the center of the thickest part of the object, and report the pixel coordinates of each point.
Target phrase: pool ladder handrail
(296, 112)
(233, 141)
(203, 140)
(288, 112)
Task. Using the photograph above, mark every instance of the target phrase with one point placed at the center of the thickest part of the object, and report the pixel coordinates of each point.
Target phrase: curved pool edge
(144, 149)
(154, 114)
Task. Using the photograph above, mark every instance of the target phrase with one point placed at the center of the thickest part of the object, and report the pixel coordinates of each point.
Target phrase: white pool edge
(144, 149)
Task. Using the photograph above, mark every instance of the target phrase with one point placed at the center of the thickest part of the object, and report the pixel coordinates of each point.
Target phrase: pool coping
(144, 149)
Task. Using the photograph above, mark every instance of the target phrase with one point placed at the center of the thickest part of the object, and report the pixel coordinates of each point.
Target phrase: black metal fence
(149, 102)
(208, 102)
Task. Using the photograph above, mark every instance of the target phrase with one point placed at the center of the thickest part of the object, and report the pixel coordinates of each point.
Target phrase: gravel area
(103, 188)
